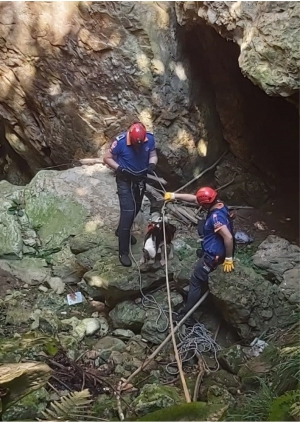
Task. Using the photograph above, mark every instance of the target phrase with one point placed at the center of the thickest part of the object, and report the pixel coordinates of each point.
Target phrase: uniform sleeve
(115, 147)
(219, 221)
(151, 140)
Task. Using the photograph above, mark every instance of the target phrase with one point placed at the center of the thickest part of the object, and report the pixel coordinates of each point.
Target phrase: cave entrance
(262, 131)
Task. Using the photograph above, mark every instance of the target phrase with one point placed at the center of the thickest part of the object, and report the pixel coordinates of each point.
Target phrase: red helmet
(206, 196)
(137, 133)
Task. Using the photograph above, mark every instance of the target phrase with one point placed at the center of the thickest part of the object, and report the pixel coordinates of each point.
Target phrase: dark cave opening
(262, 131)
(13, 167)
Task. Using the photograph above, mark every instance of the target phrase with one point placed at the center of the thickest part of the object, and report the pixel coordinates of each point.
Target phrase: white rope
(194, 343)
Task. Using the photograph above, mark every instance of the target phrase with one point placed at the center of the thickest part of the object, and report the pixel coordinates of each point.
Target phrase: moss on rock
(155, 396)
(197, 411)
(28, 408)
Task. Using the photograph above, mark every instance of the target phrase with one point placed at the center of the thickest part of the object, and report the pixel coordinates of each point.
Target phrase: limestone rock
(57, 285)
(265, 32)
(155, 328)
(123, 334)
(107, 345)
(29, 407)
(113, 280)
(248, 302)
(153, 397)
(232, 358)
(220, 378)
(86, 326)
(29, 270)
(290, 285)
(276, 255)
(128, 315)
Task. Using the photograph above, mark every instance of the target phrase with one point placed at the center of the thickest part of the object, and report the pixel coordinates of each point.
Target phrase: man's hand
(228, 265)
(151, 168)
(169, 196)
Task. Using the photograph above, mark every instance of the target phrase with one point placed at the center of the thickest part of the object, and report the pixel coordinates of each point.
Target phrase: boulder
(276, 255)
(116, 282)
(232, 358)
(219, 378)
(156, 326)
(29, 407)
(290, 285)
(29, 270)
(128, 315)
(248, 302)
(107, 345)
(60, 205)
(154, 397)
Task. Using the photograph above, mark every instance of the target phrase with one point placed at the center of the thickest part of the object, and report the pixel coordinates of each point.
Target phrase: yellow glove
(169, 196)
(228, 265)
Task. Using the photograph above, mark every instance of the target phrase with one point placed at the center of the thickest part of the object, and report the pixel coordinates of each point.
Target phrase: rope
(195, 341)
(178, 360)
(149, 301)
(202, 173)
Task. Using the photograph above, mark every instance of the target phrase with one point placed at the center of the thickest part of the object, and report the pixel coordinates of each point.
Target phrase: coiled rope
(193, 343)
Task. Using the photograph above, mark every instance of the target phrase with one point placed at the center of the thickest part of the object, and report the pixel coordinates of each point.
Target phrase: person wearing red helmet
(132, 155)
(217, 240)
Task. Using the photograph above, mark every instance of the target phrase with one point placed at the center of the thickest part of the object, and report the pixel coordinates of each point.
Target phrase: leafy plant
(75, 406)
(254, 407)
(287, 369)
(286, 407)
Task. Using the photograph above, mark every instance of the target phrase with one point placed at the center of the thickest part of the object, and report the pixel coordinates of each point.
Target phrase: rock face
(265, 32)
(281, 261)
(68, 85)
(53, 207)
(277, 256)
(248, 302)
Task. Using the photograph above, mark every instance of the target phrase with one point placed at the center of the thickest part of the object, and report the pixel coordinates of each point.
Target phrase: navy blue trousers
(130, 197)
(199, 279)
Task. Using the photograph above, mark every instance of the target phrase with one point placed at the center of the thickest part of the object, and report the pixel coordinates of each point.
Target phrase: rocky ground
(58, 239)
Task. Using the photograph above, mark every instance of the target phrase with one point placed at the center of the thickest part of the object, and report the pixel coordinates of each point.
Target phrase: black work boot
(132, 238)
(125, 260)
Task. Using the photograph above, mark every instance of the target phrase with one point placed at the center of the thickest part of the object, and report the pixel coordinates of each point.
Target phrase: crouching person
(217, 243)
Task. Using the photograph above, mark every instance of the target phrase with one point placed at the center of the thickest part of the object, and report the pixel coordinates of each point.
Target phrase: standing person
(218, 240)
(132, 155)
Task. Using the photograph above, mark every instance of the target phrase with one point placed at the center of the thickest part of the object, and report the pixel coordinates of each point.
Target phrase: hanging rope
(178, 360)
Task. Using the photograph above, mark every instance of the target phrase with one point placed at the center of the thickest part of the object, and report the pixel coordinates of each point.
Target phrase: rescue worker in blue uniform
(132, 155)
(217, 241)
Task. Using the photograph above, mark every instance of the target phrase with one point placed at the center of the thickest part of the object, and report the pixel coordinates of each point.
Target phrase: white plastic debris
(74, 298)
(258, 346)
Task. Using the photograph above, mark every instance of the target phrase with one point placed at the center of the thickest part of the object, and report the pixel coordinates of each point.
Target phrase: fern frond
(295, 411)
(74, 406)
